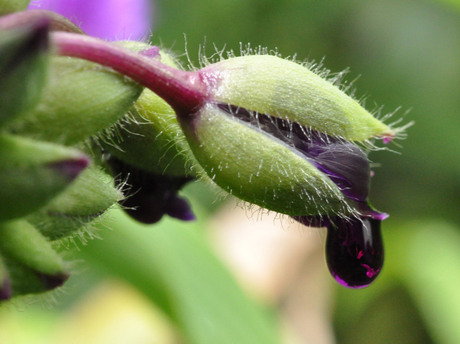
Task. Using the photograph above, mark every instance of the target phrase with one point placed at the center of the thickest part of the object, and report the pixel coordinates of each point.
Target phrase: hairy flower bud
(150, 154)
(273, 133)
(80, 99)
(151, 123)
(90, 196)
(284, 89)
(33, 172)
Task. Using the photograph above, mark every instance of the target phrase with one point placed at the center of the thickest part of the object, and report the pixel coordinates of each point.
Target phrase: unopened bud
(33, 172)
(32, 263)
(89, 197)
(80, 99)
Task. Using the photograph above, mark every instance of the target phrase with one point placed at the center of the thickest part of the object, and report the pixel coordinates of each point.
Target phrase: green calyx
(30, 264)
(80, 99)
(149, 137)
(260, 169)
(90, 196)
(24, 61)
(281, 88)
(33, 172)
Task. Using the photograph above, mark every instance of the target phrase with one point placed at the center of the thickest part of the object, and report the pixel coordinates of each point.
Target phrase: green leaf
(425, 256)
(175, 268)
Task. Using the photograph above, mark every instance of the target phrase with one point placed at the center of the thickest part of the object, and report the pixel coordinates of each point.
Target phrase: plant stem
(183, 91)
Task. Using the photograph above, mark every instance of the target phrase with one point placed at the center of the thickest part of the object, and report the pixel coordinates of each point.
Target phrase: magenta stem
(182, 90)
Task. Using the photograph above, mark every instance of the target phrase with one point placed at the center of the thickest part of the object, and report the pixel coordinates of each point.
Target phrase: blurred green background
(404, 55)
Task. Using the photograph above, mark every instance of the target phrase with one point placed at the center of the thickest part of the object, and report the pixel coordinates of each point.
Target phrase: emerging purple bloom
(151, 195)
(107, 19)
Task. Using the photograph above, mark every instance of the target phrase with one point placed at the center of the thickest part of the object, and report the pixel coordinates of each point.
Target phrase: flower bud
(284, 89)
(273, 133)
(23, 68)
(151, 123)
(32, 173)
(150, 154)
(90, 196)
(32, 263)
(151, 195)
(80, 99)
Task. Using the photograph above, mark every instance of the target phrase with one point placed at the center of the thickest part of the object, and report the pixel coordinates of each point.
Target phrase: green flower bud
(270, 174)
(32, 263)
(23, 68)
(150, 154)
(85, 200)
(10, 6)
(80, 99)
(273, 133)
(151, 123)
(32, 173)
(281, 88)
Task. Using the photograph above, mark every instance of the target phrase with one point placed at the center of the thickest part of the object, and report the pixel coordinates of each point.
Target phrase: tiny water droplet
(354, 251)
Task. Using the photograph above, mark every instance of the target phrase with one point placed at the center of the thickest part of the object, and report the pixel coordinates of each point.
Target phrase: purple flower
(107, 19)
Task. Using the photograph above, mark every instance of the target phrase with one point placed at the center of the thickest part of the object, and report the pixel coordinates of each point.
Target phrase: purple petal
(346, 165)
(343, 162)
(179, 208)
(107, 19)
(152, 195)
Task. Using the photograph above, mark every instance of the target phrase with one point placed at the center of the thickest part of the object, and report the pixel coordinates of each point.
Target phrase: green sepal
(33, 172)
(85, 200)
(150, 137)
(259, 169)
(277, 87)
(33, 265)
(24, 62)
(80, 99)
(10, 6)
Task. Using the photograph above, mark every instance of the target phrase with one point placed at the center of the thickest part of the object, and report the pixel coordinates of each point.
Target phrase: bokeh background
(404, 57)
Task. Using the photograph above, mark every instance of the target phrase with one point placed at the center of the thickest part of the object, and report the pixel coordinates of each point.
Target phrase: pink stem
(182, 90)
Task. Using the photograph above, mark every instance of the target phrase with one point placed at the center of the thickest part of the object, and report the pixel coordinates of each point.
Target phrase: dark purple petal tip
(51, 282)
(180, 209)
(5, 290)
(343, 162)
(354, 251)
(152, 195)
(69, 168)
(346, 165)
